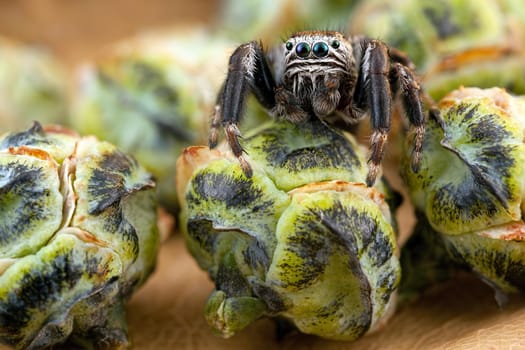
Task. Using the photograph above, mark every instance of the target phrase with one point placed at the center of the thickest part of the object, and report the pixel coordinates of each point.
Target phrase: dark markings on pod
(328, 149)
(488, 258)
(234, 192)
(357, 325)
(387, 283)
(342, 225)
(331, 232)
(515, 274)
(38, 289)
(25, 200)
(486, 129)
(116, 223)
(464, 200)
(256, 257)
(313, 249)
(379, 249)
(203, 232)
(37, 304)
(329, 309)
(31, 136)
(271, 298)
(230, 279)
(107, 184)
(489, 167)
(107, 187)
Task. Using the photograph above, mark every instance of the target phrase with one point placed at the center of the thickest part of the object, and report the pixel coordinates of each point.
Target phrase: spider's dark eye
(289, 45)
(336, 44)
(302, 50)
(320, 49)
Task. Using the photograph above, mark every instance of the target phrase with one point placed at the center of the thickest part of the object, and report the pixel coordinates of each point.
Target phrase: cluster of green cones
(304, 242)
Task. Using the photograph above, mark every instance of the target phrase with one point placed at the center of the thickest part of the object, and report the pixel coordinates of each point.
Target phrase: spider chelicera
(326, 75)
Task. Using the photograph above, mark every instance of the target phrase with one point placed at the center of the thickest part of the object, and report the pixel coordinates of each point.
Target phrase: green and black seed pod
(302, 240)
(151, 96)
(470, 187)
(452, 43)
(78, 235)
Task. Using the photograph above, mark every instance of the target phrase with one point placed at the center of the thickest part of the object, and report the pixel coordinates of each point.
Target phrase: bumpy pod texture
(303, 240)
(151, 96)
(470, 187)
(452, 43)
(77, 236)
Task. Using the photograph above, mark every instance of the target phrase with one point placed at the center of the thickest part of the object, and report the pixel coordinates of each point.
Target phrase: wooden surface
(167, 313)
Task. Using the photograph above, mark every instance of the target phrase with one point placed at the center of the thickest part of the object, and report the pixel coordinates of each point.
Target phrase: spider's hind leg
(411, 94)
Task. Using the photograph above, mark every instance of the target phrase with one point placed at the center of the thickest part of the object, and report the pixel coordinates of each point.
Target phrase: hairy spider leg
(411, 98)
(402, 74)
(248, 72)
(383, 73)
(399, 56)
(373, 93)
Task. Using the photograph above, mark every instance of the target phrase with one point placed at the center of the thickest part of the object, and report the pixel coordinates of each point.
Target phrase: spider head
(316, 52)
(315, 45)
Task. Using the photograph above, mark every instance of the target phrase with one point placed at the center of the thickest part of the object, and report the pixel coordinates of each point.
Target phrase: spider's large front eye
(302, 50)
(320, 49)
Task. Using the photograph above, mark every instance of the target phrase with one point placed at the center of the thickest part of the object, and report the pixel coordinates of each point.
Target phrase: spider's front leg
(377, 77)
(373, 93)
(248, 72)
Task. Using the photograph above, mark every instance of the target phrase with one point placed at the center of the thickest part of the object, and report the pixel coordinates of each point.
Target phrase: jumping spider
(325, 75)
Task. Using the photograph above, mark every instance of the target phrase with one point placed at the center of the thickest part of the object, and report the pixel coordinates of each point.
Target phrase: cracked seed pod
(303, 240)
(32, 86)
(77, 236)
(452, 43)
(470, 185)
(152, 96)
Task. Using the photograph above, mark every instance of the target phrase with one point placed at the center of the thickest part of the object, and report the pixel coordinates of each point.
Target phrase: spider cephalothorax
(325, 75)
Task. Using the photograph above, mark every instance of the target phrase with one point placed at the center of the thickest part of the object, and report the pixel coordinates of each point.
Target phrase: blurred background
(74, 30)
